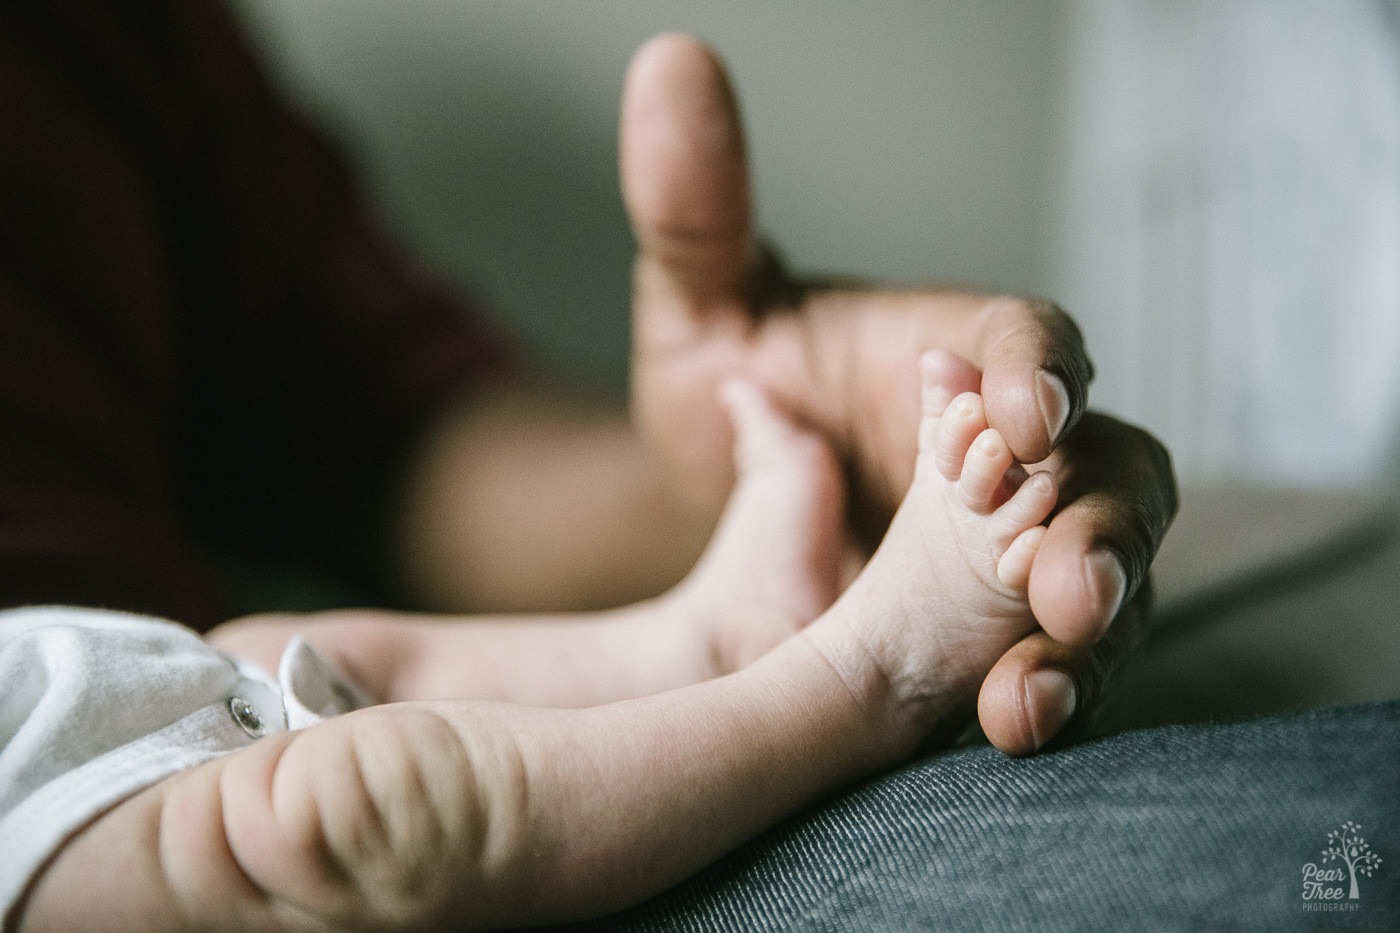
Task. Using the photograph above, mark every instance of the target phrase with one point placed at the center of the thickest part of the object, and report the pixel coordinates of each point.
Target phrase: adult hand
(709, 302)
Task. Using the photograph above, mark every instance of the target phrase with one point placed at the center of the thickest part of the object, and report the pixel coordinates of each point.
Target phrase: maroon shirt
(205, 345)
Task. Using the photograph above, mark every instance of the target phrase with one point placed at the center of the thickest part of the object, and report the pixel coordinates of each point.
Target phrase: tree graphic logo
(1344, 847)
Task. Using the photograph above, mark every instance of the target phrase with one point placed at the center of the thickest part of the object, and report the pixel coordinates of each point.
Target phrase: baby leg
(774, 562)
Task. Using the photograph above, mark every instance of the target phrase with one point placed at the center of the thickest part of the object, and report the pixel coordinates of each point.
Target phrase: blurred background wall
(1211, 188)
(1228, 227)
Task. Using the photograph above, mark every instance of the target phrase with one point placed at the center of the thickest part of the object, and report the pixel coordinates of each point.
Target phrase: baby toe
(1030, 505)
(937, 390)
(983, 470)
(1014, 567)
(762, 433)
(952, 435)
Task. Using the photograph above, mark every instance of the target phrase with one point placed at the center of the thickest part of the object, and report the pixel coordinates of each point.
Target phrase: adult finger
(685, 178)
(1041, 688)
(1036, 374)
(1117, 499)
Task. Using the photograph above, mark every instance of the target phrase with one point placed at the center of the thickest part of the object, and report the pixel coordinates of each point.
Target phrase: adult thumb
(684, 177)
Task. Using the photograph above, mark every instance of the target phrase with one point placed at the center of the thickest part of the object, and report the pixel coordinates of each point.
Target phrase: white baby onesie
(97, 705)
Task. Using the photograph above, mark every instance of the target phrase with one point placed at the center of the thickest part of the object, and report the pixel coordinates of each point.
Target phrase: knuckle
(1044, 322)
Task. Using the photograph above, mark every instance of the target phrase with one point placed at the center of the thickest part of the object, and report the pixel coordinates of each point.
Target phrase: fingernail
(1053, 398)
(1050, 701)
(1111, 579)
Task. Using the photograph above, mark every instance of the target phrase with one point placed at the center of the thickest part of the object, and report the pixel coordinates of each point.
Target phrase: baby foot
(944, 596)
(774, 562)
